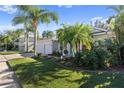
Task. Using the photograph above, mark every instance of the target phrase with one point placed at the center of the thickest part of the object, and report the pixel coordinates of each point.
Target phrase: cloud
(65, 6)
(96, 18)
(99, 19)
(10, 27)
(8, 9)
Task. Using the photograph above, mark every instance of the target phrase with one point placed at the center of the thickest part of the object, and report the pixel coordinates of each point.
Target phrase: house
(21, 42)
(50, 45)
(100, 34)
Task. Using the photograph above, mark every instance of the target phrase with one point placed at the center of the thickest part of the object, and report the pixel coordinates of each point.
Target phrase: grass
(8, 52)
(43, 73)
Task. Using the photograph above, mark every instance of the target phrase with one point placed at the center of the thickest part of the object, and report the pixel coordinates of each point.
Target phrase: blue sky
(67, 14)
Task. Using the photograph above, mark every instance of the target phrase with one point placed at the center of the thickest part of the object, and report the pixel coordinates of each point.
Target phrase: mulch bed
(69, 65)
(118, 68)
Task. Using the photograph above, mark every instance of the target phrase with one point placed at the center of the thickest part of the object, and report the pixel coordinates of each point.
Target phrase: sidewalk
(7, 78)
(14, 56)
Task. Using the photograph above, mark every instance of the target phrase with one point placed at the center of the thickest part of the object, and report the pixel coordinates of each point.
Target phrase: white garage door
(47, 49)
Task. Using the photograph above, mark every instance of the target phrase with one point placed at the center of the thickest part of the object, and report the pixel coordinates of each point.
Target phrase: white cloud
(99, 19)
(10, 27)
(8, 9)
(66, 6)
(96, 18)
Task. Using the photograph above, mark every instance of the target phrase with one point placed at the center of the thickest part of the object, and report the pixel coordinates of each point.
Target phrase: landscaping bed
(42, 72)
(69, 63)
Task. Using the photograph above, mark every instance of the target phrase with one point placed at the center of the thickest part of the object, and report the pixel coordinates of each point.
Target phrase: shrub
(39, 54)
(65, 52)
(94, 59)
(56, 53)
(31, 51)
(80, 58)
(91, 60)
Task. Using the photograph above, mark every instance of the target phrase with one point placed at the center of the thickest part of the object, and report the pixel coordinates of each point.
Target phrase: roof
(99, 30)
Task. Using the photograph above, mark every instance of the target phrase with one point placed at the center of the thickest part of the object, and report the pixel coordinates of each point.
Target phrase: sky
(69, 14)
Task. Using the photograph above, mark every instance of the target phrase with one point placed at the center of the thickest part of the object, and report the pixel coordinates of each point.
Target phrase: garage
(47, 46)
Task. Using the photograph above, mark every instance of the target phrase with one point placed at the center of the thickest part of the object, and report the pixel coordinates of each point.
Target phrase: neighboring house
(21, 42)
(100, 34)
(47, 46)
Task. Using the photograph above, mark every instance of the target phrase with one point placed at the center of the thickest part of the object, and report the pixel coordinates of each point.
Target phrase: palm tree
(60, 35)
(36, 15)
(116, 20)
(7, 39)
(81, 37)
(27, 25)
(118, 9)
(118, 26)
(75, 35)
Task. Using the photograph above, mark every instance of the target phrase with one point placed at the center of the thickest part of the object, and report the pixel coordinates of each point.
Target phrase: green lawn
(42, 73)
(8, 52)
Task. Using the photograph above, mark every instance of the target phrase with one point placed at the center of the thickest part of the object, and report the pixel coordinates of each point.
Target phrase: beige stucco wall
(103, 35)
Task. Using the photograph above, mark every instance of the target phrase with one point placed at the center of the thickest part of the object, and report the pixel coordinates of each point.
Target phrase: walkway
(7, 78)
(14, 56)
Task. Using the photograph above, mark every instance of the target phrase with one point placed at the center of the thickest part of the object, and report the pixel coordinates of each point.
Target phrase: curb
(14, 75)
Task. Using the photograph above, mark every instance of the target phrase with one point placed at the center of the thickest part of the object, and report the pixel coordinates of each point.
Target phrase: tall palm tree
(118, 28)
(36, 15)
(19, 19)
(117, 19)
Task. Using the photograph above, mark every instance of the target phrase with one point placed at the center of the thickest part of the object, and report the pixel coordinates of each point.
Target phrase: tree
(117, 26)
(76, 35)
(118, 9)
(81, 37)
(48, 34)
(20, 19)
(36, 15)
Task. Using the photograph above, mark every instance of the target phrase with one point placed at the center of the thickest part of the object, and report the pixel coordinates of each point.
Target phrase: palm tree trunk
(79, 47)
(27, 41)
(35, 43)
(5, 45)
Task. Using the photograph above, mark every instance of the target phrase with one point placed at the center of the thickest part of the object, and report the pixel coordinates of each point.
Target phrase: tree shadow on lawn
(44, 73)
(102, 80)
(39, 73)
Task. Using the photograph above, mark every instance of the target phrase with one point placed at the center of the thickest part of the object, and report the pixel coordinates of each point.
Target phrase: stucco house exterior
(21, 42)
(100, 34)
